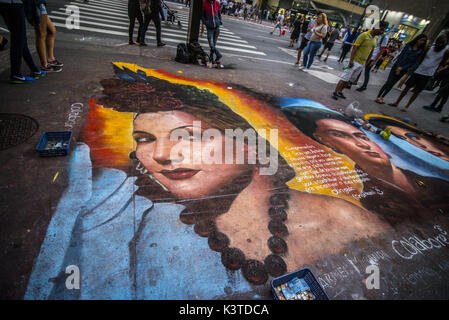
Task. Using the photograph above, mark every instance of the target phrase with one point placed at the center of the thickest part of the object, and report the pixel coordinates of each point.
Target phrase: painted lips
(373, 154)
(179, 174)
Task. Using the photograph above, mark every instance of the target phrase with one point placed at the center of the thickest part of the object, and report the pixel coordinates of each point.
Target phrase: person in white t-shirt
(437, 55)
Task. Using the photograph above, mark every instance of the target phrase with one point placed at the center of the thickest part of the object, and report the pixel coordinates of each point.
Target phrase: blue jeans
(310, 52)
(212, 36)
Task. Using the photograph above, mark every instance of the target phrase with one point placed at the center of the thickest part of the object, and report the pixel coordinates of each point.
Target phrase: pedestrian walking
(385, 54)
(13, 14)
(152, 10)
(362, 51)
(436, 55)
(133, 14)
(211, 18)
(381, 44)
(334, 34)
(306, 32)
(297, 25)
(441, 98)
(45, 33)
(348, 40)
(315, 41)
(279, 23)
(410, 56)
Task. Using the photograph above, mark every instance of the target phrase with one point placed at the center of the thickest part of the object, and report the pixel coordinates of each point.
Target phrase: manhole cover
(15, 129)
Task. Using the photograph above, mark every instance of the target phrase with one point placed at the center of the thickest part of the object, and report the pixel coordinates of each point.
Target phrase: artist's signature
(409, 247)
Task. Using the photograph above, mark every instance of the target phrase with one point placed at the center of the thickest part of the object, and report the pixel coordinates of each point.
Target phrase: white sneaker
(301, 68)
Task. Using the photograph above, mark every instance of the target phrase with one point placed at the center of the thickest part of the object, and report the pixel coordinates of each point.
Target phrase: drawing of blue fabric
(125, 246)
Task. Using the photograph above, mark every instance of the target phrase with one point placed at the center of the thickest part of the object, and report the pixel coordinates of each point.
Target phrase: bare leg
(340, 86)
(412, 98)
(403, 80)
(299, 56)
(50, 40)
(402, 95)
(41, 34)
(327, 56)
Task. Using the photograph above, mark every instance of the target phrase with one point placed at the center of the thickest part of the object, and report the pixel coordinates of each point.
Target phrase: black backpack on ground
(197, 53)
(182, 54)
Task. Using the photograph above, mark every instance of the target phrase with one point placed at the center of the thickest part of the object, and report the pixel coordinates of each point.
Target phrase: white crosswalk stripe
(111, 17)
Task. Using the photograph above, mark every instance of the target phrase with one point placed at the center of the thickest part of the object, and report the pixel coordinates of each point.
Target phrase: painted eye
(144, 139)
(365, 138)
(337, 134)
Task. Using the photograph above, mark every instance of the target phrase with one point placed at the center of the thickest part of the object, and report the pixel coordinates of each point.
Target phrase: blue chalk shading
(125, 246)
(300, 102)
(406, 156)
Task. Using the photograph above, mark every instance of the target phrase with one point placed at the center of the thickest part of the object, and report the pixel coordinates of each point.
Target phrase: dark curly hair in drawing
(305, 118)
(138, 93)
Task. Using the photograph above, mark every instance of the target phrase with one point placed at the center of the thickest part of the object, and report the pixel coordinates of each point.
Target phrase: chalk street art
(140, 223)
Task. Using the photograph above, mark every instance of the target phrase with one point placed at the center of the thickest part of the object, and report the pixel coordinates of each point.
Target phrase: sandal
(379, 100)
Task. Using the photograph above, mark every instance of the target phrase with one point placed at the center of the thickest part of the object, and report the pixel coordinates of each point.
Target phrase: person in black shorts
(296, 30)
(437, 54)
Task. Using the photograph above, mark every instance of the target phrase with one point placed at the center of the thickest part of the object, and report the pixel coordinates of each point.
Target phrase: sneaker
(429, 107)
(19, 79)
(334, 96)
(301, 68)
(55, 63)
(130, 42)
(38, 74)
(142, 44)
(341, 95)
(361, 89)
(160, 44)
(50, 69)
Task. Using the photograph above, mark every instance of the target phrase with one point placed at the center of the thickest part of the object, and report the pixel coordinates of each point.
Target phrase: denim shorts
(42, 9)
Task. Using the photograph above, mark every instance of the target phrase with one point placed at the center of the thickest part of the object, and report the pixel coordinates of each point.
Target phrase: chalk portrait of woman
(197, 230)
